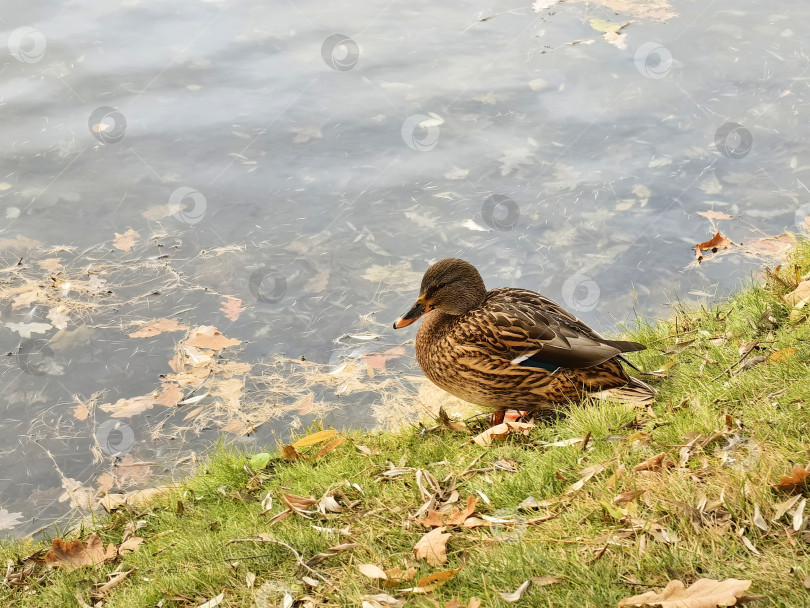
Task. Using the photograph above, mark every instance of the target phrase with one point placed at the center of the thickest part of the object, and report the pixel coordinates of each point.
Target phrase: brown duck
(511, 348)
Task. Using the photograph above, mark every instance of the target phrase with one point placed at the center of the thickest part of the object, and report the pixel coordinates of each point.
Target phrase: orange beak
(418, 309)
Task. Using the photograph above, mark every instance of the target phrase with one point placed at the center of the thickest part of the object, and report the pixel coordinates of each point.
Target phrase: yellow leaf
(600, 25)
(315, 438)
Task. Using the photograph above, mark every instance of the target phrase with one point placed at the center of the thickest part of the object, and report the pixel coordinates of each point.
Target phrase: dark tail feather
(625, 346)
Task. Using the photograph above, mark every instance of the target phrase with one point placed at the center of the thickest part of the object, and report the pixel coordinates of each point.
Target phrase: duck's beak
(413, 314)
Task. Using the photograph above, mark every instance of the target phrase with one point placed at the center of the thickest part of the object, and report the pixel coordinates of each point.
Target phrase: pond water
(286, 171)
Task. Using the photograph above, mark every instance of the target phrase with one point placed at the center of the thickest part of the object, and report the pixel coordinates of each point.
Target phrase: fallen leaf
(75, 554)
(126, 408)
(798, 295)
(315, 438)
(715, 215)
(426, 584)
(329, 447)
(516, 594)
(703, 593)
(158, 326)
(372, 571)
(9, 520)
(628, 496)
(655, 464)
(546, 579)
(209, 337)
(501, 431)
(432, 547)
(456, 517)
(381, 599)
(126, 241)
(170, 394)
(790, 483)
(714, 244)
(232, 307)
(299, 504)
(781, 355)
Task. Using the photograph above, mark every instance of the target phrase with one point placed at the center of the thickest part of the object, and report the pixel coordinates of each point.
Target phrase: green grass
(602, 552)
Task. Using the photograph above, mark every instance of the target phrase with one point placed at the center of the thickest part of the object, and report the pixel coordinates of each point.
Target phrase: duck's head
(452, 286)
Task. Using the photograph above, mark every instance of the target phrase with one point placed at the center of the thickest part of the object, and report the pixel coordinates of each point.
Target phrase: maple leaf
(432, 547)
(796, 480)
(209, 337)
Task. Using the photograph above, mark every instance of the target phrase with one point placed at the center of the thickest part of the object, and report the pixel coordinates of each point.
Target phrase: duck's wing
(533, 331)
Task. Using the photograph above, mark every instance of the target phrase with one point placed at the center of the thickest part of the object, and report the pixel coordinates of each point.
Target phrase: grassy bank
(564, 505)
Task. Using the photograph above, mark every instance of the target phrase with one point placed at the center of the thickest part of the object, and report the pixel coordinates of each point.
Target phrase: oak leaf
(74, 554)
(703, 593)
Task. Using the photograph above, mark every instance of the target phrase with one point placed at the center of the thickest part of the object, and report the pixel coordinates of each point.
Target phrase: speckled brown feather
(473, 355)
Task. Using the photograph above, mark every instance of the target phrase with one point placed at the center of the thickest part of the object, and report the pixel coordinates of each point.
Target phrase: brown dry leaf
(81, 412)
(372, 571)
(232, 307)
(76, 554)
(657, 463)
(501, 431)
(453, 425)
(473, 603)
(398, 575)
(715, 215)
(433, 519)
(426, 584)
(795, 481)
(158, 326)
(798, 295)
(714, 244)
(138, 498)
(456, 517)
(299, 504)
(432, 547)
(170, 394)
(628, 496)
(125, 408)
(703, 593)
(129, 545)
(781, 355)
(315, 438)
(126, 241)
(208, 337)
(288, 453)
(771, 246)
(329, 447)
(131, 471)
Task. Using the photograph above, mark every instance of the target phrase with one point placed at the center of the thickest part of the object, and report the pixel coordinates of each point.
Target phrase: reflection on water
(285, 173)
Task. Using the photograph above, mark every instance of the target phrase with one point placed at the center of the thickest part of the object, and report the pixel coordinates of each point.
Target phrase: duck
(511, 348)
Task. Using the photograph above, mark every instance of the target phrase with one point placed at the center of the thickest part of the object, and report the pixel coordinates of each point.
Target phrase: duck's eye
(441, 285)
